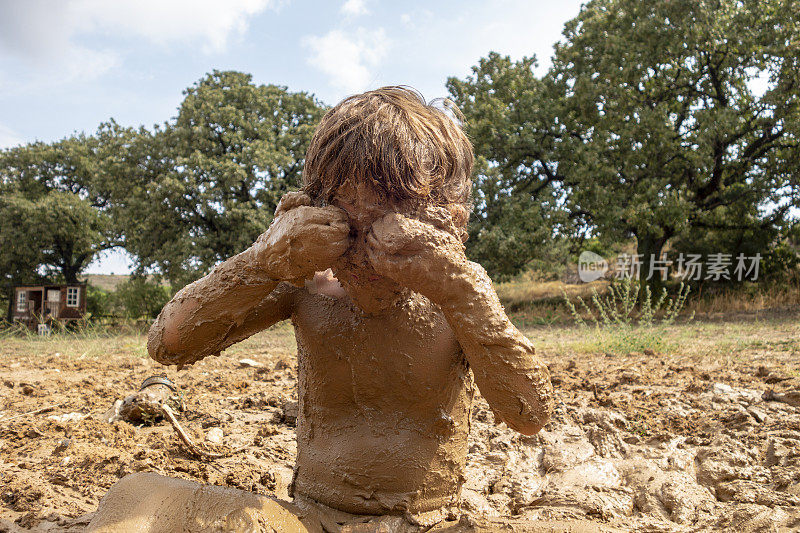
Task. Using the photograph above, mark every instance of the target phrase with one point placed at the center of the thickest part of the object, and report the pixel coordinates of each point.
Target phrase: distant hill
(107, 282)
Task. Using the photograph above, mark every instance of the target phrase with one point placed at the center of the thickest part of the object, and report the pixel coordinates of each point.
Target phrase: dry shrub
(515, 293)
(530, 300)
(750, 298)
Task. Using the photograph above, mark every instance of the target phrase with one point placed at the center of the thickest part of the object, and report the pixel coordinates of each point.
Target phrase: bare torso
(384, 404)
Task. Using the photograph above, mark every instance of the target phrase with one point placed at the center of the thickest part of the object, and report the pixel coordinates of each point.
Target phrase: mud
(145, 502)
(431, 262)
(719, 455)
(145, 405)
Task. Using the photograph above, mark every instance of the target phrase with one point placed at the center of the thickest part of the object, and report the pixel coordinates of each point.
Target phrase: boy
(389, 315)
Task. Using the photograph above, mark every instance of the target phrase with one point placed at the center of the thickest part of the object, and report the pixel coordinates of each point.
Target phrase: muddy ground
(687, 440)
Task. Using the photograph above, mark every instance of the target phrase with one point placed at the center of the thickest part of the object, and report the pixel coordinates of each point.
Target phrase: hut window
(73, 296)
(22, 301)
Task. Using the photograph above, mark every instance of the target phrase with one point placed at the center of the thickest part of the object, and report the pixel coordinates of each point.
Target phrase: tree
(662, 131)
(517, 216)
(57, 235)
(19, 259)
(54, 222)
(648, 125)
(203, 187)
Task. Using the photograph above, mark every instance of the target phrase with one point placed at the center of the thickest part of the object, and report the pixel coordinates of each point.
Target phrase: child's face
(363, 206)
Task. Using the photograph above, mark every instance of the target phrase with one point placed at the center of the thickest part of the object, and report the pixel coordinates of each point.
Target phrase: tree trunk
(650, 269)
(11, 303)
(71, 273)
(72, 266)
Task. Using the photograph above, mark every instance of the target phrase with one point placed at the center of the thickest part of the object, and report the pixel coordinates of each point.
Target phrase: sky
(68, 65)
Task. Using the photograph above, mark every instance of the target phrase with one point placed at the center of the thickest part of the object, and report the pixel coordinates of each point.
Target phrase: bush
(781, 264)
(141, 297)
(99, 303)
(629, 322)
(622, 306)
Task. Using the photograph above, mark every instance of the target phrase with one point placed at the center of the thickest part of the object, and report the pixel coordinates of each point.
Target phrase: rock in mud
(67, 417)
(791, 397)
(214, 436)
(289, 413)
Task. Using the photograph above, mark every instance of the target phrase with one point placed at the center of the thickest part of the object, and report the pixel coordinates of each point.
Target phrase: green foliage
(628, 339)
(516, 218)
(598, 246)
(60, 235)
(53, 222)
(20, 256)
(662, 131)
(781, 262)
(141, 297)
(648, 125)
(630, 319)
(509, 232)
(179, 198)
(99, 303)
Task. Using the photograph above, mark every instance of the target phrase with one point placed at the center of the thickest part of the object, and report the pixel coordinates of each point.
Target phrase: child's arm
(431, 261)
(245, 294)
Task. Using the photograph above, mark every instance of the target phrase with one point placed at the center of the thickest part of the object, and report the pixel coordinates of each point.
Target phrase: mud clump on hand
(302, 239)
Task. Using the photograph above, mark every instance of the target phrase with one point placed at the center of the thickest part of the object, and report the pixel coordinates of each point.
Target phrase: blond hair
(411, 152)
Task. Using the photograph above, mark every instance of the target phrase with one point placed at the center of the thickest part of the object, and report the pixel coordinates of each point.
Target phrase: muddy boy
(392, 320)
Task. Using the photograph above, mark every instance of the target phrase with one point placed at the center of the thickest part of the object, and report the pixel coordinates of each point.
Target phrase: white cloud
(348, 58)
(354, 8)
(9, 137)
(209, 22)
(416, 17)
(44, 33)
(81, 63)
(45, 41)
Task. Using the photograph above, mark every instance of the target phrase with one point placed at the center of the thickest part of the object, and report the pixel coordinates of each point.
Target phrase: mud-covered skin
(384, 406)
(238, 297)
(302, 239)
(385, 391)
(431, 261)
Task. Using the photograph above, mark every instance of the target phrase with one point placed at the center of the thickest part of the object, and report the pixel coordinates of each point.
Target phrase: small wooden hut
(44, 304)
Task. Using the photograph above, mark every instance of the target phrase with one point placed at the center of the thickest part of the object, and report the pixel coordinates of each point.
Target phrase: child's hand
(302, 239)
(415, 253)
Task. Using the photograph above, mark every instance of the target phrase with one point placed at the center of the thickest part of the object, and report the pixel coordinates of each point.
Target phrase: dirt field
(677, 437)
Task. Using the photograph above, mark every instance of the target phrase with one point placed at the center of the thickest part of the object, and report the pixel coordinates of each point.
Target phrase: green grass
(96, 341)
(74, 345)
(541, 303)
(546, 321)
(780, 335)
